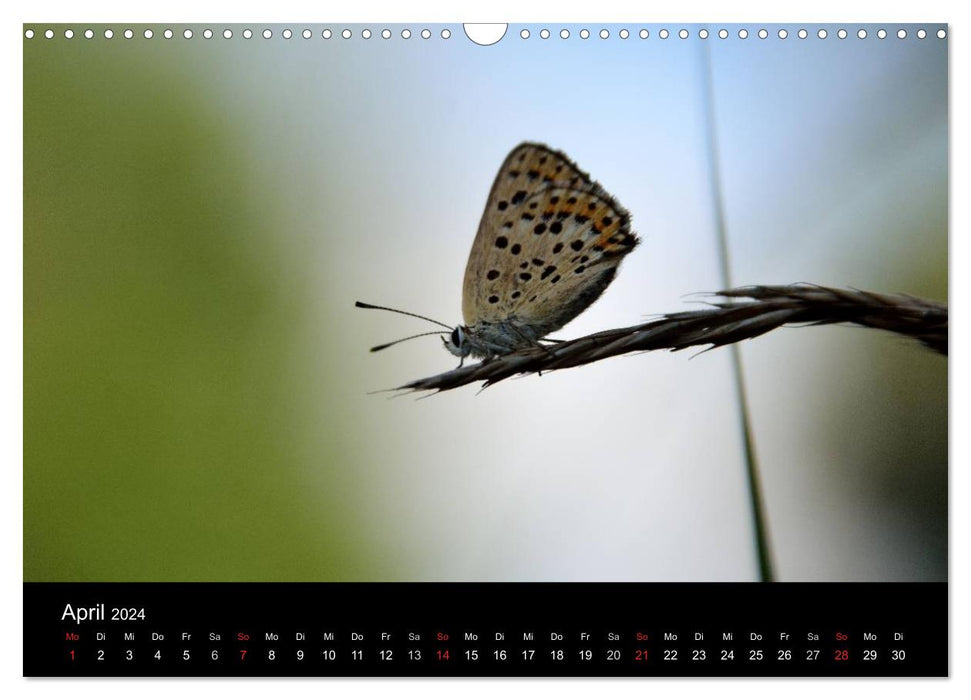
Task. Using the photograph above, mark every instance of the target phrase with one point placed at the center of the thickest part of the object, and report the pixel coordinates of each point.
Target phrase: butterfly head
(458, 342)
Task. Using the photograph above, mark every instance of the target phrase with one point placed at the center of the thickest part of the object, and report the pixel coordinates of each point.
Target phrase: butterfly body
(548, 245)
(488, 339)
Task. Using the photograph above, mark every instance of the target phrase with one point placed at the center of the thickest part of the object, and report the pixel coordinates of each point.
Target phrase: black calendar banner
(485, 629)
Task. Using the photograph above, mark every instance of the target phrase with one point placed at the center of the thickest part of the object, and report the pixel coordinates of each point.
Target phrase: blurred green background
(199, 217)
(163, 432)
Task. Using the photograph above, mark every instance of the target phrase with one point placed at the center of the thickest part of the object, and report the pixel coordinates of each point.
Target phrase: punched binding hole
(486, 34)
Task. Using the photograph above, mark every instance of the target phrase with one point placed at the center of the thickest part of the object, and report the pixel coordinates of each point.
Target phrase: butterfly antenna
(362, 305)
(401, 340)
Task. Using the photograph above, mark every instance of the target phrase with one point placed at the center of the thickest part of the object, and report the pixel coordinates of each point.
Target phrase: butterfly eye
(457, 337)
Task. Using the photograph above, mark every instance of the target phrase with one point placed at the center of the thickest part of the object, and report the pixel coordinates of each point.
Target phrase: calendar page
(485, 350)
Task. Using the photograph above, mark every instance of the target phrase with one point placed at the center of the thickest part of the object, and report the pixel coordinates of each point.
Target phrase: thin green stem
(754, 482)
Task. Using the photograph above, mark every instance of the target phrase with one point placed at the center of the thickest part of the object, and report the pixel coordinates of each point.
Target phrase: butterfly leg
(529, 341)
(546, 348)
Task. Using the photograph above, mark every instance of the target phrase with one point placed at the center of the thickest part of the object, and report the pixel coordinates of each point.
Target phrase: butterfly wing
(549, 243)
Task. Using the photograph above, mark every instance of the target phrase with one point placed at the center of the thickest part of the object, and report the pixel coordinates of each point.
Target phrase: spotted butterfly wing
(548, 245)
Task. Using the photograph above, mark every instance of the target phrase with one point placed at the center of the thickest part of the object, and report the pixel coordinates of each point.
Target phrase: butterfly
(549, 244)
